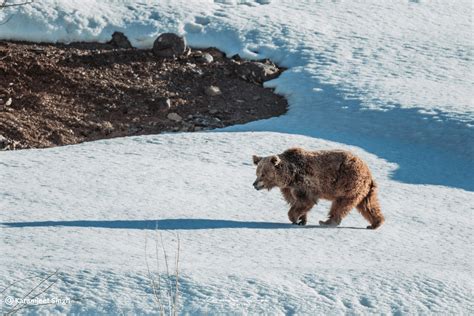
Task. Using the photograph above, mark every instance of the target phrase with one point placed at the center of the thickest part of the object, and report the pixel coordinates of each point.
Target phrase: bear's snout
(258, 185)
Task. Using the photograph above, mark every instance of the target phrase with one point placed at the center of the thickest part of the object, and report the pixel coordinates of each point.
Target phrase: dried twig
(5, 4)
(152, 280)
(171, 295)
(176, 289)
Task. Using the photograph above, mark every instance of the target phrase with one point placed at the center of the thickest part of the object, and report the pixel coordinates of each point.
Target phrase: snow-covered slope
(90, 209)
(416, 54)
(385, 76)
(391, 81)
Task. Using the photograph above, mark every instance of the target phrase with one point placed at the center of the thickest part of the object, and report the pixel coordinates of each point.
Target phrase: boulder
(257, 71)
(119, 40)
(169, 45)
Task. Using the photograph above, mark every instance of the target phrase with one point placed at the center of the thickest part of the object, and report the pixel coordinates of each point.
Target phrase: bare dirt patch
(60, 94)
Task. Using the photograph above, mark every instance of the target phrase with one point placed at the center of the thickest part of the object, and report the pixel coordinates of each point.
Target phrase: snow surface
(382, 75)
(89, 209)
(391, 81)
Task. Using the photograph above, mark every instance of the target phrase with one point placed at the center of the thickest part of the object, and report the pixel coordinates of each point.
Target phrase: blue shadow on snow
(164, 224)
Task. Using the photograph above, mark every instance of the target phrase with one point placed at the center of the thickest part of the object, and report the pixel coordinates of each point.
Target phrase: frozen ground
(89, 210)
(391, 81)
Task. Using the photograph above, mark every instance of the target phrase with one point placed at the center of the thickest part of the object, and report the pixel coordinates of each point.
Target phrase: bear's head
(268, 172)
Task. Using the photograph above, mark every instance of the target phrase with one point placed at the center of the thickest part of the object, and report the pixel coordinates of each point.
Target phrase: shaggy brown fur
(304, 177)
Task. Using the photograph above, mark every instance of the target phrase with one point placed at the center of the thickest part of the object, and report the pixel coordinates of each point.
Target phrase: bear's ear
(256, 159)
(276, 161)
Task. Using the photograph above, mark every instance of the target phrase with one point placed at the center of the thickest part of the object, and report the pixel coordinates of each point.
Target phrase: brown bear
(304, 177)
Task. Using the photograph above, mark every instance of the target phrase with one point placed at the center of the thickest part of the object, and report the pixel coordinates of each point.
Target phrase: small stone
(9, 102)
(197, 71)
(206, 58)
(213, 91)
(57, 138)
(174, 117)
(216, 53)
(257, 71)
(107, 128)
(214, 111)
(4, 142)
(256, 98)
(169, 45)
(236, 57)
(119, 40)
(134, 129)
(161, 105)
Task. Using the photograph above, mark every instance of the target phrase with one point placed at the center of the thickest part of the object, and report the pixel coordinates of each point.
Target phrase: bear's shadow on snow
(167, 224)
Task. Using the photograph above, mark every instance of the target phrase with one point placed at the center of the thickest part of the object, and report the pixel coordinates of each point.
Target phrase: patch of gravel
(57, 94)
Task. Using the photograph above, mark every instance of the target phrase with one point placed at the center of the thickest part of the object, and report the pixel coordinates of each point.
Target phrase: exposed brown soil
(65, 94)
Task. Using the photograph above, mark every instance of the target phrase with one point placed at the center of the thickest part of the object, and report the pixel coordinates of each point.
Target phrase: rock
(213, 111)
(169, 45)
(257, 72)
(216, 53)
(160, 105)
(206, 58)
(187, 127)
(9, 102)
(236, 57)
(4, 142)
(213, 91)
(207, 121)
(174, 117)
(134, 129)
(119, 40)
(107, 128)
(57, 138)
(197, 71)
(256, 98)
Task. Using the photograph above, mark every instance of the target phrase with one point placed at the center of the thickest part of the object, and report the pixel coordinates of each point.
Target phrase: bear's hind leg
(371, 212)
(339, 209)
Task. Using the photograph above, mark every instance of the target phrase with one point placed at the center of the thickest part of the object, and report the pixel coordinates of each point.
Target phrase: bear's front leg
(293, 215)
(298, 214)
(303, 219)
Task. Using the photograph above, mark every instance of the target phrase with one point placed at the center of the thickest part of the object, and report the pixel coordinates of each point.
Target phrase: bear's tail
(369, 207)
